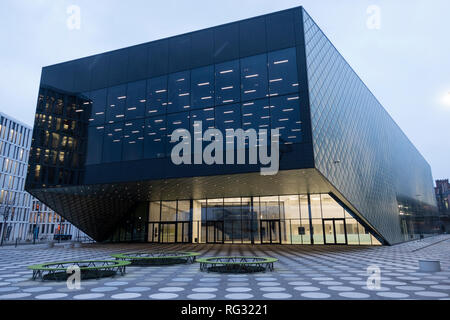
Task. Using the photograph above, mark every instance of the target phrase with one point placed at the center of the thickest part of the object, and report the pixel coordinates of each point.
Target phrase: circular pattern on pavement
(125, 296)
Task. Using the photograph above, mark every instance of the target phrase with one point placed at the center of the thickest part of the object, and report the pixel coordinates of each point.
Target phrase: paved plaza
(303, 272)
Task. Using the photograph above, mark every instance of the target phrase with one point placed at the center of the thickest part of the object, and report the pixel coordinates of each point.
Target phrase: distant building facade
(46, 224)
(18, 209)
(15, 142)
(443, 196)
(442, 190)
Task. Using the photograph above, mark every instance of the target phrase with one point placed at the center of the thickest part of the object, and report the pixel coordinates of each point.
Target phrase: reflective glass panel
(136, 100)
(285, 116)
(228, 117)
(98, 99)
(112, 143)
(155, 137)
(283, 73)
(176, 121)
(215, 210)
(169, 211)
(330, 208)
(254, 77)
(269, 208)
(179, 92)
(228, 82)
(94, 145)
(317, 231)
(117, 97)
(133, 143)
(184, 210)
(289, 207)
(157, 96)
(256, 114)
(202, 84)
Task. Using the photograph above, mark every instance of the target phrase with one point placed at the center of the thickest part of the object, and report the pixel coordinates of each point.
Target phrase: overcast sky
(406, 62)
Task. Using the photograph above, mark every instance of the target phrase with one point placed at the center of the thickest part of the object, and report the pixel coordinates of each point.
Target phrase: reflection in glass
(285, 116)
(155, 137)
(179, 92)
(202, 87)
(330, 208)
(228, 84)
(254, 77)
(157, 95)
(352, 231)
(115, 109)
(133, 143)
(283, 72)
(136, 100)
(112, 143)
(169, 211)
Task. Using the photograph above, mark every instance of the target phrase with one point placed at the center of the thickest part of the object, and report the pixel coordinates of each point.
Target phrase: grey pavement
(303, 272)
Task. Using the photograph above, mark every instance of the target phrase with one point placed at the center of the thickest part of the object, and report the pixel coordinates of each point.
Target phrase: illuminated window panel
(115, 108)
(256, 114)
(98, 107)
(155, 137)
(133, 142)
(228, 83)
(206, 116)
(285, 116)
(254, 77)
(202, 87)
(157, 95)
(136, 100)
(112, 143)
(283, 72)
(228, 117)
(179, 92)
(176, 121)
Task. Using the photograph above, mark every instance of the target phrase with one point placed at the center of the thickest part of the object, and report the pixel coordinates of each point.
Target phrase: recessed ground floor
(310, 219)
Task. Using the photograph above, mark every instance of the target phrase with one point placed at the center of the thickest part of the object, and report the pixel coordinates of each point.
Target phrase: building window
(283, 73)
(254, 77)
(179, 92)
(136, 100)
(115, 109)
(155, 137)
(228, 82)
(157, 95)
(202, 87)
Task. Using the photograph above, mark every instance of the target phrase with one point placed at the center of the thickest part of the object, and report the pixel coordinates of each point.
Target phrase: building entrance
(334, 231)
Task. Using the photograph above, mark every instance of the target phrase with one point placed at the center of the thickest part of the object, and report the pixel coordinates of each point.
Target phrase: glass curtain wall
(292, 219)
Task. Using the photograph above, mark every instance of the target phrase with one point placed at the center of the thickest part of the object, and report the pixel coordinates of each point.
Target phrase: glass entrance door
(334, 231)
(167, 233)
(214, 232)
(183, 232)
(270, 232)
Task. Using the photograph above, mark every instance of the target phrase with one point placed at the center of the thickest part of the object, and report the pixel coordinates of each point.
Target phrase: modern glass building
(102, 143)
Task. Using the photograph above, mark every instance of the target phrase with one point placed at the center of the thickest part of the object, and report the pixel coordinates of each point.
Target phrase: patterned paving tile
(303, 272)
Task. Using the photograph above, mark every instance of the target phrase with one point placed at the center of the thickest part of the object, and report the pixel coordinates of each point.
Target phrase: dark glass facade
(117, 112)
